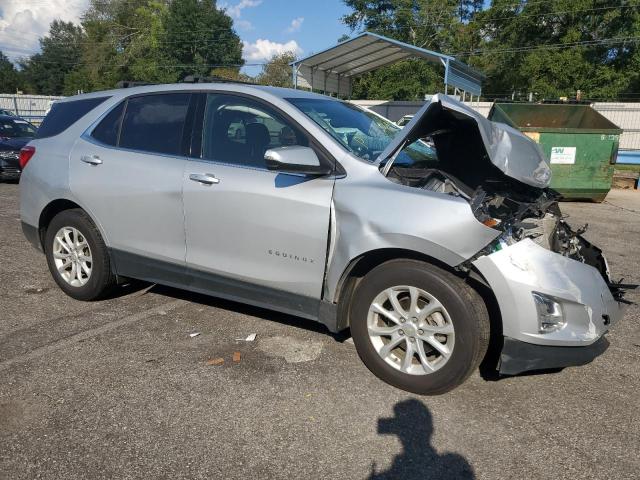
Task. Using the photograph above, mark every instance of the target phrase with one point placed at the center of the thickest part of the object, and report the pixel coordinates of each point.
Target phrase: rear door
(253, 234)
(128, 173)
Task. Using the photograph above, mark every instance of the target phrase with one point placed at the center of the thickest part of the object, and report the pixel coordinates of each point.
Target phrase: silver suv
(308, 205)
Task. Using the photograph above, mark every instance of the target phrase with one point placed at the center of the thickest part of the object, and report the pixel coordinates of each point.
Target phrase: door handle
(91, 159)
(204, 178)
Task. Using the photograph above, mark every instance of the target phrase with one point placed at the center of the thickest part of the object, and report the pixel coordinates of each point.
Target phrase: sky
(266, 27)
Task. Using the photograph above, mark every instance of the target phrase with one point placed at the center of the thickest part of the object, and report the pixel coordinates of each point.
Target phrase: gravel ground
(119, 388)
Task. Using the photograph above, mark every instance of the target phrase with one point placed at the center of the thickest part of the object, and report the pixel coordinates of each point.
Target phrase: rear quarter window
(65, 114)
(108, 129)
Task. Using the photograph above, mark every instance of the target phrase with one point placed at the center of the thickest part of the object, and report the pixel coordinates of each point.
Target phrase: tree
(551, 48)
(201, 38)
(277, 71)
(45, 72)
(9, 82)
(126, 40)
(555, 48)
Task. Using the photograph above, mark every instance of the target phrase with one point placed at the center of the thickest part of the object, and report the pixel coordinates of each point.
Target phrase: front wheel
(77, 256)
(418, 327)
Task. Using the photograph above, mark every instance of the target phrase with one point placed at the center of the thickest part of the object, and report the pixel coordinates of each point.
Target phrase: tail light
(25, 155)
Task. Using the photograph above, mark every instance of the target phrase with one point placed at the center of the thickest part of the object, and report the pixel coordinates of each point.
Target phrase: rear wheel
(77, 256)
(418, 327)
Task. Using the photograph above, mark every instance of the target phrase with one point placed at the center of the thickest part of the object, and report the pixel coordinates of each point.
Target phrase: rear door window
(155, 123)
(65, 114)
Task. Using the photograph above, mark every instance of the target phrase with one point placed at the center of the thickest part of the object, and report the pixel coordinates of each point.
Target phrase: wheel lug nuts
(420, 332)
(401, 332)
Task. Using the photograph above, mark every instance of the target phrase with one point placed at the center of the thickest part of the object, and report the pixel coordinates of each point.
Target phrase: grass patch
(627, 168)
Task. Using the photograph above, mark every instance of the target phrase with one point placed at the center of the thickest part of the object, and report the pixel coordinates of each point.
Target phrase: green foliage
(201, 37)
(45, 72)
(551, 48)
(157, 41)
(9, 81)
(277, 72)
(519, 48)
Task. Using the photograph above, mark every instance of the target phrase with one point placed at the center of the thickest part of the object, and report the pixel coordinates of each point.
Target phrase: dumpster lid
(553, 117)
(512, 152)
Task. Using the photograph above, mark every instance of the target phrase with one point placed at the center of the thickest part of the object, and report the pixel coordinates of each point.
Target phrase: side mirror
(295, 159)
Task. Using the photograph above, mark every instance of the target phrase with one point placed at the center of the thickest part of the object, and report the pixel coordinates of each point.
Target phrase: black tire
(466, 309)
(102, 278)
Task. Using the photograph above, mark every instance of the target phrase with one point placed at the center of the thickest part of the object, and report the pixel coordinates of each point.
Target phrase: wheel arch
(359, 266)
(56, 206)
(364, 263)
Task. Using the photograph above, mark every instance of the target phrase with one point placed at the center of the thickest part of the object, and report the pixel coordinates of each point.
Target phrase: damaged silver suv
(311, 206)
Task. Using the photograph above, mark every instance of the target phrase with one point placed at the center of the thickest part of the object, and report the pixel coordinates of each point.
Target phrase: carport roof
(331, 70)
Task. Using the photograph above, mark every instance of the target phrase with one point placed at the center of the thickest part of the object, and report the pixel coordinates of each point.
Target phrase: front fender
(374, 213)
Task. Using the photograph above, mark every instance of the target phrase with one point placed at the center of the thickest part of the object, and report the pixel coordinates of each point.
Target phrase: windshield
(16, 129)
(363, 133)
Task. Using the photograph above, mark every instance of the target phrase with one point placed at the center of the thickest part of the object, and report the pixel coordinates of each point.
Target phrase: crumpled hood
(513, 153)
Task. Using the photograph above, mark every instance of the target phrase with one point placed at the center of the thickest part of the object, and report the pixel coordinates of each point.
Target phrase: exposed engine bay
(460, 166)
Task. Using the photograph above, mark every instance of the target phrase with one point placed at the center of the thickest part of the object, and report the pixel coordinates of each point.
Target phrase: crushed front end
(554, 289)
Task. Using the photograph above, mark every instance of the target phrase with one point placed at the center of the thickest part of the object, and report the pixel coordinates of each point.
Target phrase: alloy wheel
(410, 330)
(72, 256)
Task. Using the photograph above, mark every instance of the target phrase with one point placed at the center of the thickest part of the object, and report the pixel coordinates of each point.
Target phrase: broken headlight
(550, 315)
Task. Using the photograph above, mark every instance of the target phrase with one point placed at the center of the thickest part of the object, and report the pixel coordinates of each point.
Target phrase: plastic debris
(250, 338)
(194, 334)
(215, 361)
(236, 357)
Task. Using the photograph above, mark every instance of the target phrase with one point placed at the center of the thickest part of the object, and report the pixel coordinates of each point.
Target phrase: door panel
(258, 226)
(128, 173)
(252, 226)
(136, 197)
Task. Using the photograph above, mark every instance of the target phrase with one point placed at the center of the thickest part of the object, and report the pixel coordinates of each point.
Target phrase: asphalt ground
(119, 388)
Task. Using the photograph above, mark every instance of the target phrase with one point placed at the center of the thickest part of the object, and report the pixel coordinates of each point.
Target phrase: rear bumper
(518, 357)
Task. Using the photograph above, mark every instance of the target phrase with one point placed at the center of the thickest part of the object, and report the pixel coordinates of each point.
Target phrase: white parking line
(38, 352)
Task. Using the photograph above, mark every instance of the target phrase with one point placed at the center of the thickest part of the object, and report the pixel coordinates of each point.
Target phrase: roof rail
(212, 79)
(131, 84)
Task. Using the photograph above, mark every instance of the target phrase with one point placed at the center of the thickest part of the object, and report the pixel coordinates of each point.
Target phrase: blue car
(15, 133)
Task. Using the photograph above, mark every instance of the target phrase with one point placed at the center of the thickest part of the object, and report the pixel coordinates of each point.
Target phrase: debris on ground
(250, 338)
(194, 334)
(215, 361)
(236, 357)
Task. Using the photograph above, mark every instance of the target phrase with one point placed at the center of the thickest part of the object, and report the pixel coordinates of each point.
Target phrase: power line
(552, 46)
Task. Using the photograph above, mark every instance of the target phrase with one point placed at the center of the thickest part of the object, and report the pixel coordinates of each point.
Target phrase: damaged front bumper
(583, 307)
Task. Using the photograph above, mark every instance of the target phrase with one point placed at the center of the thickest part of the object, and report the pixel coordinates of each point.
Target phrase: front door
(253, 234)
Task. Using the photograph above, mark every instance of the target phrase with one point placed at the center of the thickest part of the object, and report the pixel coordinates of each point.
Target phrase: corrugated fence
(30, 107)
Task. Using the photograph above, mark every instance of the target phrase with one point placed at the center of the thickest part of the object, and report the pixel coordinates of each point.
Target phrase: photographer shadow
(413, 424)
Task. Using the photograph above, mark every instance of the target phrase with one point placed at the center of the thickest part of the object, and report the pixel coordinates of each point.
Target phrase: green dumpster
(580, 144)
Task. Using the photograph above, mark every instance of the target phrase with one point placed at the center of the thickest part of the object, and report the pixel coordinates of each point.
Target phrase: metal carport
(332, 70)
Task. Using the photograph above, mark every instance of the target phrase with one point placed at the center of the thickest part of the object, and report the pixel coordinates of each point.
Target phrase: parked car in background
(404, 120)
(15, 133)
(323, 210)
